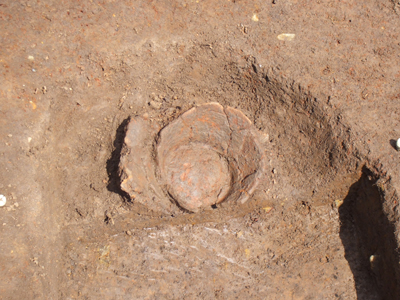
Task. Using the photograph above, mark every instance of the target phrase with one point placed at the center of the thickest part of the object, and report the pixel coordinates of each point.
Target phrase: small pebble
(286, 36)
(398, 145)
(3, 200)
(33, 70)
(338, 202)
(254, 18)
(155, 105)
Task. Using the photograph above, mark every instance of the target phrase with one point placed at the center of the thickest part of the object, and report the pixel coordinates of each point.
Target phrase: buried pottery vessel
(207, 155)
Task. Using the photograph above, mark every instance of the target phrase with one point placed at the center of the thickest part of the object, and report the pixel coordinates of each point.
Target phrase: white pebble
(3, 200)
(398, 144)
(255, 18)
(286, 36)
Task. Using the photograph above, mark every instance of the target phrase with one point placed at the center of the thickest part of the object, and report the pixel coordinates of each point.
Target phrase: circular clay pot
(207, 155)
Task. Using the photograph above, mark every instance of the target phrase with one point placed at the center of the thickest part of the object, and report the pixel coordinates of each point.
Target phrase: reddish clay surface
(198, 177)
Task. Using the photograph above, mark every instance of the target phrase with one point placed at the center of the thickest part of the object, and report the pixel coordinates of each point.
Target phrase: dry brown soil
(325, 225)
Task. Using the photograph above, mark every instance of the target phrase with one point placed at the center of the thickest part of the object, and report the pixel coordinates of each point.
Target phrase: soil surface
(318, 79)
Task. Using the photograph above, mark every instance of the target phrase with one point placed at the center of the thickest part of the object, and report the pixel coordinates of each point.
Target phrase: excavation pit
(317, 226)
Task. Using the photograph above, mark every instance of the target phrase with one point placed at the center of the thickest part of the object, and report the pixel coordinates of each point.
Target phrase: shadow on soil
(114, 179)
(393, 144)
(369, 241)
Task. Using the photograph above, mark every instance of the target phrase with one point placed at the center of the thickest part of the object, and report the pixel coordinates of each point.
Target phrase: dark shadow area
(393, 144)
(114, 179)
(369, 241)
